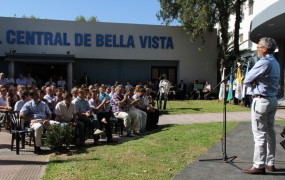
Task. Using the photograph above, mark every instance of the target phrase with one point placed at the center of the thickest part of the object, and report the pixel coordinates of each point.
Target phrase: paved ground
(27, 165)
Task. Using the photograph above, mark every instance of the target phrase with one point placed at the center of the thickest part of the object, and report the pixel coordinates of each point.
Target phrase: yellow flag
(238, 92)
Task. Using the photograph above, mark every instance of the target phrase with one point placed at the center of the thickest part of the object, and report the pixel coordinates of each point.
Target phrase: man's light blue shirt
(81, 105)
(36, 111)
(265, 74)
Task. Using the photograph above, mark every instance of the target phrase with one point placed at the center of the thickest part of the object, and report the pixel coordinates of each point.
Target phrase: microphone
(248, 56)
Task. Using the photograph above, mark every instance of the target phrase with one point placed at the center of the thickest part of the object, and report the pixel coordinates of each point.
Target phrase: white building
(106, 51)
(270, 22)
(249, 12)
(264, 19)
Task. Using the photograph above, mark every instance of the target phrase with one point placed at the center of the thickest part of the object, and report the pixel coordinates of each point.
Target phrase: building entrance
(43, 72)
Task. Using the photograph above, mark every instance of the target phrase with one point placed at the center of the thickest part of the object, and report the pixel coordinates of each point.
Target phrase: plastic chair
(117, 123)
(19, 132)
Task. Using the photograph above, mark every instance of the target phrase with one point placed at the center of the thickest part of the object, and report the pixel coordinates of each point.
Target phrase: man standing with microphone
(263, 78)
(164, 87)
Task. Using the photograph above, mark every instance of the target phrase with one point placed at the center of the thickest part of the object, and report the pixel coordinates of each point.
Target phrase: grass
(200, 106)
(159, 155)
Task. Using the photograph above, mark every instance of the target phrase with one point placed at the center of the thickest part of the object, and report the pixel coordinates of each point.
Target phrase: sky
(117, 11)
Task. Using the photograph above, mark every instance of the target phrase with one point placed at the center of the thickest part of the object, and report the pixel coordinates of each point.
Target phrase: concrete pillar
(11, 69)
(69, 76)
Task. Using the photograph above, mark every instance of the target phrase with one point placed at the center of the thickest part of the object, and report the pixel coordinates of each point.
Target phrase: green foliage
(58, 135)
(28, 17)
(199, 17)
(83, 19)
(93, 19)
(196, 17)
(80, 18)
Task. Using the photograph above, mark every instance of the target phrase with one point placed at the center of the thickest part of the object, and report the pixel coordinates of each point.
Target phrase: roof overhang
(269, 23)
(39, 58)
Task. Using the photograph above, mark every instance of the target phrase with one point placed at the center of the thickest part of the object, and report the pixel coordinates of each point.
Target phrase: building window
(249, 41)
(241, 38)
(250, 9)
(170, 71)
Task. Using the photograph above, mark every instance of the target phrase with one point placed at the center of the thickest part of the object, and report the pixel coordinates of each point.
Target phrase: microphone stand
(225, 157)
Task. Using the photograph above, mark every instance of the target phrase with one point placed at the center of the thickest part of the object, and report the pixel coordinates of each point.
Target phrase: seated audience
(21, 80)
(3, 106)
(10, 79)
(112, 91)
(206, 89)
(3, 80)
(13, 97)
(103, 115)
(31, 82)
(50, 82)
(147, 104)
(128, 86)
(85, 115)
(58, 96)
(49, 98)
(38, 114)
(121, 110)
(182, 89)
(66, 115)
(20, 88)
(196, 90)
(137, 100)
(61, 82)
(25, 97)
(104, 95)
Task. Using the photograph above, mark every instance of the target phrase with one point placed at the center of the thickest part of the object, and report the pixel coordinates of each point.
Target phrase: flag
(222, 86)
(244, 88)
(238, 93)
(230, 93)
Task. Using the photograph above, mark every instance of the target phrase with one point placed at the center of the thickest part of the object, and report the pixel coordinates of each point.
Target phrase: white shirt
(164, 86)
(61, 109)
(207, 86)
(19, 104)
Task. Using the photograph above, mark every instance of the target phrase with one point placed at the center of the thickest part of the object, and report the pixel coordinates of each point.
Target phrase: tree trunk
(238, 6)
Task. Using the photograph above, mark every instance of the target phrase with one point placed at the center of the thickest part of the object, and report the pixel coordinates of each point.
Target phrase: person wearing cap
(263, 78)
(164, 88)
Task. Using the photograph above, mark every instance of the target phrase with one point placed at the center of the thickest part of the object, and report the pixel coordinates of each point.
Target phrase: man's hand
(33, 121)
(46, 122)
(88, 113)
(126, 96)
